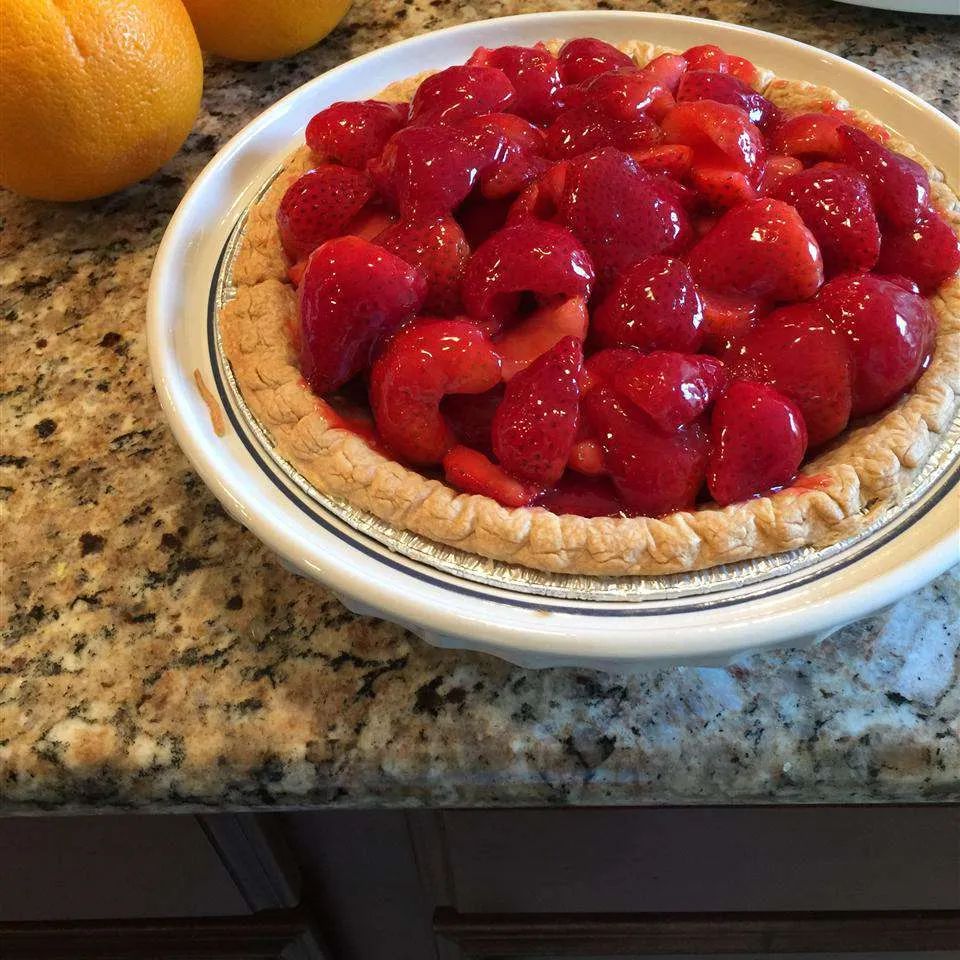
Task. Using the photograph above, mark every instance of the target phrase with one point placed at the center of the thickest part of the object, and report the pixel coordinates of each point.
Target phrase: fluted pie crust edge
(867, 470)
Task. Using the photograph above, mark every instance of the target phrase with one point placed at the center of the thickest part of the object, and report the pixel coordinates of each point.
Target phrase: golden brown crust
(865, 472)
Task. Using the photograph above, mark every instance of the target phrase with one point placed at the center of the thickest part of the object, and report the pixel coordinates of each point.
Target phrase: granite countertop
(154, 654)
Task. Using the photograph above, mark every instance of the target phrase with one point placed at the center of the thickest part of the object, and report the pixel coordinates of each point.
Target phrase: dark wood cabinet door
(596, 936)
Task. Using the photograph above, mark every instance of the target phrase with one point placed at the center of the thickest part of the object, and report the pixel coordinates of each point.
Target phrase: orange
(95, 94)
(263, 29)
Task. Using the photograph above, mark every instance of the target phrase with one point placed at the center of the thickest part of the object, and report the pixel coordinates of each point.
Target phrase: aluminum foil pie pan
(461, 600)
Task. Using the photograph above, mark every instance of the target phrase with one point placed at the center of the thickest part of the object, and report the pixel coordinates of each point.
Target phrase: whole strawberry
(534, 428)
(318, 206)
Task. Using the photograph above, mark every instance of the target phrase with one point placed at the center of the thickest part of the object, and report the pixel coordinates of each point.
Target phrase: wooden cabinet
(760, 883)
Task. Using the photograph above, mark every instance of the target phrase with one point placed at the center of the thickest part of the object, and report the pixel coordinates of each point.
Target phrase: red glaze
(439, 249)
(531, 256)
(607, 368)
(834, 202)
(318, 206)
(654, 306)
(472, 472)
(620, 212)
(534, 73)
(673, 389)
(759, 250)
(900, 186)
(534, 428)
(927, 252)
(583, 58)
(655, 473)
(353, 133)
(419, 366)
(797, 351)
(352, 294)
(582, 497)
(889, 332)
(759, 440)
(726, 88)
(460, 92)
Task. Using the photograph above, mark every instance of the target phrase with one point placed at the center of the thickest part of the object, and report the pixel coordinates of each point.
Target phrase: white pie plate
(441, 607)
(911, 6)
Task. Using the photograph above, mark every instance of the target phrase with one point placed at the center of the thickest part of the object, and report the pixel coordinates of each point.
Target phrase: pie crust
(866, 470)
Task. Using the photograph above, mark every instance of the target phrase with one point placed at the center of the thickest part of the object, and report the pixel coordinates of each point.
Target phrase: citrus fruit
(95, 95)
(263, 29)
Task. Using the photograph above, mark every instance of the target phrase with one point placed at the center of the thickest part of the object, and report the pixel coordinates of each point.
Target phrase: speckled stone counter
(154, 654)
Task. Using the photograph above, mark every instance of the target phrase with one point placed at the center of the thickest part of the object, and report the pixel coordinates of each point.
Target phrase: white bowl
(945, 7)
(439, 606)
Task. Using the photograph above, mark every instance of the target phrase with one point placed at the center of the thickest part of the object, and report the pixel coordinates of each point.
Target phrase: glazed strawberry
(628, 93)
(352, 295)
(541, 199)
(318, 206)
(668, 69)
(422, 363)
(654, 472)
(654, 306)
(521, 162)
(585, 57)
(927, 252)
(528, 257)
(727, 318)
(582, 497)
(899, 186)
(470, 471)
(721, 135)
(428, 171)
(470, 416)
(460, 92)
(725, 88)
(534, 428)
(532, 336)
(810, 136)
(620, 212)
(608, 367)
(673, 389)
(797, 351)
(759, 440)
(720, 188)
(352, 133)
(834, 202)
(776, 168)
(759, 250)
(707, 56)
(889, 332)
(439, 249)
(534, 73)
(370, 222)
(743, 69)
(583, 128)
(672, 159)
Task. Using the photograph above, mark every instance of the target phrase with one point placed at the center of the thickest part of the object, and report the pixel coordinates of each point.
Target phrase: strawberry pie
(603, 310)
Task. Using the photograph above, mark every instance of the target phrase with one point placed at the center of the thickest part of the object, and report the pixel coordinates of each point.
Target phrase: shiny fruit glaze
(573, 283)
